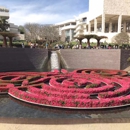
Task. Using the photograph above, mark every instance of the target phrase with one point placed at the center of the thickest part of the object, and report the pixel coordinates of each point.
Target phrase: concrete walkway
(115, 126)
(64, 124)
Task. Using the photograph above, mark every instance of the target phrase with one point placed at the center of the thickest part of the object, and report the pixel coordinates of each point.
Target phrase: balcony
(79, 28)
(68, 27)
(4, 14)
(79, 23)
(79, 33)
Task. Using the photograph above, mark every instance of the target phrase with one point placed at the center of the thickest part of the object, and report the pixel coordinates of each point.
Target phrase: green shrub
(91, 86)
(128, 60)
(18, 45)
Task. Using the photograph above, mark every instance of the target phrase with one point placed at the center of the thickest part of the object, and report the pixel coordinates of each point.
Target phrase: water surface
(10, 107)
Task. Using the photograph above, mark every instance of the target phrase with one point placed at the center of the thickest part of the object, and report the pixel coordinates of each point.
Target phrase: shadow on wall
(22, 59)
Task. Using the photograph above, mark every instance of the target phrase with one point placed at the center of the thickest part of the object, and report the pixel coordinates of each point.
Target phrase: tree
(4, 25)
(89, 37)
(80, 38)
(31, 31)
(46, 33)
(63, 35)
(49, 33)
(21, 29)
(98, 38)
(121, 38)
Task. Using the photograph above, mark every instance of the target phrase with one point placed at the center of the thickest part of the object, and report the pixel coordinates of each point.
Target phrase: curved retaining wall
(22, 59)
(95, 58)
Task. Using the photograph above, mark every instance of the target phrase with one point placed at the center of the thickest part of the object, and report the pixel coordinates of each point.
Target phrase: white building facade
(81, 22)
(105, 18)
(110, 17)
(4, 13)
(66, 30)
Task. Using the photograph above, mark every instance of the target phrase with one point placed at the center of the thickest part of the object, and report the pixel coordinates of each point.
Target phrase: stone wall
(125, 54)
(85, 58)
(117, 7)
(22, 59)
(26, 59)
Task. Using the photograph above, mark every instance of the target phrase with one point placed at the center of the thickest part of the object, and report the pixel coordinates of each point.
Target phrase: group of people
(32, 45)
(108, 47)
(57, 46)
(102, 47)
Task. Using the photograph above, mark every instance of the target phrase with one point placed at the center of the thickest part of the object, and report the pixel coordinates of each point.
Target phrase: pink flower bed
(56, 101)
(80, 89)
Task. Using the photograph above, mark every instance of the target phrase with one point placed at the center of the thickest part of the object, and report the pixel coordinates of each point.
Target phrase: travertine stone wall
(117, 7)
(85, 58)
(19, 59)
(125, 54)
(22, 59)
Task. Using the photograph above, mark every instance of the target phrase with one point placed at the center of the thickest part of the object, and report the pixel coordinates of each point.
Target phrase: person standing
(46, 46)
(22, 45)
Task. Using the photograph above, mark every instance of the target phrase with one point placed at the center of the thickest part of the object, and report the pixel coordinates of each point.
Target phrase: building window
(73, 33)
(73, 23)
(67, 39)
(67, 33)
(84, 19)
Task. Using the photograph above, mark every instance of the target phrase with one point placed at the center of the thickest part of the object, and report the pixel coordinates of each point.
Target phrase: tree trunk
(4, 41)
(10, 41)
(88, 42)
(80, 44)
(98, 43)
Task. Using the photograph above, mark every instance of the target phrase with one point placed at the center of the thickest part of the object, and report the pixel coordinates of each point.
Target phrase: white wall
(95, 8)
(13, 28)
(4, 12)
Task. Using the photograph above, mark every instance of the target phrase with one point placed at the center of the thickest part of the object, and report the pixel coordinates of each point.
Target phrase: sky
(43, 11)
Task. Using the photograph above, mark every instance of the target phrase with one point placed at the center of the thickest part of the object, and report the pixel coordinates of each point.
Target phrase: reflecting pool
(10, 107)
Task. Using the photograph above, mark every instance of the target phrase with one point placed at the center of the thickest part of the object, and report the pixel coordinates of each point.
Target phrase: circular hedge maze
(80, 89)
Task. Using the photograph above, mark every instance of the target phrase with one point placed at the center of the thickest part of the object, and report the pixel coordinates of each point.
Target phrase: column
(95, 25)
(116, 27)
(119, 23)
(124, 26)
(89, 27)
(70, 34)
(110, 27)
(103, 23)
(128, 27)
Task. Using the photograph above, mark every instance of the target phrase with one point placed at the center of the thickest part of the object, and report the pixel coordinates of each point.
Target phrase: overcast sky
(43, 11)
